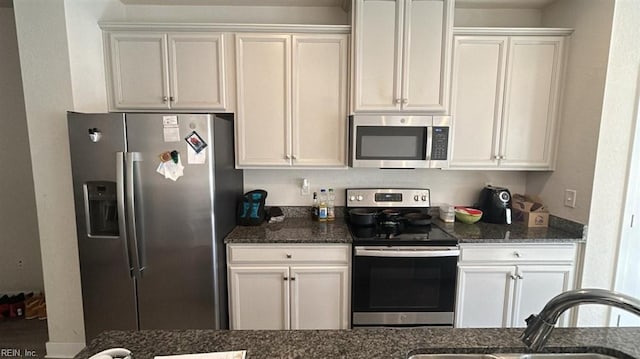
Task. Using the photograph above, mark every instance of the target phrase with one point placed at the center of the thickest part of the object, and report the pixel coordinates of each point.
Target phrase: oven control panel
(388, 197)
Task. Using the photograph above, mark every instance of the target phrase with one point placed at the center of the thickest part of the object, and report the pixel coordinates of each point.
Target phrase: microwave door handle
(407, 253)
(429, 142)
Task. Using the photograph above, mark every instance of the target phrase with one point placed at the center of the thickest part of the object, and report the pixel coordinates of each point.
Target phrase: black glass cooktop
(399, 232)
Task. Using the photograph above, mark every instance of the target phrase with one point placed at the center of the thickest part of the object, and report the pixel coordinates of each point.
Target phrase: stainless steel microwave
(383, 141)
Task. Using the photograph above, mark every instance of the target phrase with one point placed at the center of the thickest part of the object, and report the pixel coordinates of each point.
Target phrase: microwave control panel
(440, 144)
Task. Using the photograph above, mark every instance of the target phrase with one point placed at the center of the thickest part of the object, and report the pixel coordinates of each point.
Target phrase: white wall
(453, 187)
(44, 60)
(581, 105)
(239, 14)
(497, 17)
(18, 221)
(614, 149)
(86, 56)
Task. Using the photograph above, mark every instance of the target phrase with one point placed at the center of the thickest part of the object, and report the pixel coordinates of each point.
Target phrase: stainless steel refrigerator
(151, 245)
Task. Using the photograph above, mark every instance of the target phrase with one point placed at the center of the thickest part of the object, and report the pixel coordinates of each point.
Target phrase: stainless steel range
(404, 266)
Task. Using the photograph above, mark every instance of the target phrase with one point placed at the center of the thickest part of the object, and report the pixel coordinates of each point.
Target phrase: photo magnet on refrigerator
(196, 142)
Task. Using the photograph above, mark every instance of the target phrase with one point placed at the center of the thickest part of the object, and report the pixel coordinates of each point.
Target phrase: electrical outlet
(304, 188)
(570, 198)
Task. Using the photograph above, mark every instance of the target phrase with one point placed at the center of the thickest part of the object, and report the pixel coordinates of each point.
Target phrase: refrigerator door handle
(120, 195)
(130, 158)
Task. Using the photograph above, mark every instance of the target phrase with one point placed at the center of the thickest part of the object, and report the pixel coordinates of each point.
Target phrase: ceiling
(345, 4)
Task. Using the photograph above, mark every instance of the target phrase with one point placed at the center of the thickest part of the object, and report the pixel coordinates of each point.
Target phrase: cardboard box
(529, 210)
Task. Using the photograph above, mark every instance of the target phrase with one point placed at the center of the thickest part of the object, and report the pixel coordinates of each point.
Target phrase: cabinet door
(476, 101)
(484, 296)
(138, 66)
(196, 62)
(259, 297)
(319, 97)
(378, 38)
(427, 40)
(531, 101)
(263, 70)
(535, 286)
(320, 297)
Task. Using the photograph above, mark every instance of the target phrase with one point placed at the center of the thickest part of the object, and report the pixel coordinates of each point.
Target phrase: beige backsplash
(447, 186)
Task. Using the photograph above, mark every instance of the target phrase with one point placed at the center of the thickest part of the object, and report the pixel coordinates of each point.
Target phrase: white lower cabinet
(501, 285)
(288, 286)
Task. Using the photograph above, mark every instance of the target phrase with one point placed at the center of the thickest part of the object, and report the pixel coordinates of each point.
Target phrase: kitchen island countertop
(361, 343)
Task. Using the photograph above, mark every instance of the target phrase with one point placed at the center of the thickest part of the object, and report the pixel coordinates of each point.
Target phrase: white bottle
(331, 209)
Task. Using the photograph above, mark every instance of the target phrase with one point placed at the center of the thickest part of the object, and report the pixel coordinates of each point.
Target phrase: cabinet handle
(293, 278)
(397, 101)
(287, 157)
(165, 99)
(294, 157)
(171, 98)
(519, 276)
(286, 279)
(288, 255)
(517, 254)
(512, 276)
(405, 100)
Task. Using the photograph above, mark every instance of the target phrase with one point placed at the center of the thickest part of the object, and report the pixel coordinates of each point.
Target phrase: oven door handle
(408, 253)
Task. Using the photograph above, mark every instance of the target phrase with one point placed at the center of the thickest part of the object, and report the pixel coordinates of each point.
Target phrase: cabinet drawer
(288, 254)
(517, 254)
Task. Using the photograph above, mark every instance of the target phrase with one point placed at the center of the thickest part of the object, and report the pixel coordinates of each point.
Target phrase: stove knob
(352, 198)
(360, 198)
(424, 198)
(416, 198)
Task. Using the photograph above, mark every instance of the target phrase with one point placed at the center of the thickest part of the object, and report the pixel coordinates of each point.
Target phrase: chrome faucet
(539, 326)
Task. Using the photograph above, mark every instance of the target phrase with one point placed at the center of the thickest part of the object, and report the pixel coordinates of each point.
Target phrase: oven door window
(385, 284)
(391, 143)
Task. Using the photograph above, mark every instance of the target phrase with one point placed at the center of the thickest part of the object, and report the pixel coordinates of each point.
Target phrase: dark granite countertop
(362, 343)
(481, 232)
(292, 230)
(299, 228)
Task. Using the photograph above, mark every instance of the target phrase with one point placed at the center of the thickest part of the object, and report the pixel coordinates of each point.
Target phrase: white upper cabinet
(402, 55)
(505, 99)
(156, 70)
(476, 103)
(263, 73)
(292, 100)
(196, 69)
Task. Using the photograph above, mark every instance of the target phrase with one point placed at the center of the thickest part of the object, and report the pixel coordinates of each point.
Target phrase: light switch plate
(570, 198)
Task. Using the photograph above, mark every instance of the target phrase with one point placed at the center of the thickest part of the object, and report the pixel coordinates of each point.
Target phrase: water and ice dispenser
(101, 209)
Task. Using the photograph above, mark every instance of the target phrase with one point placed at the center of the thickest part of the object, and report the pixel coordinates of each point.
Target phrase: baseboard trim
(57, 350)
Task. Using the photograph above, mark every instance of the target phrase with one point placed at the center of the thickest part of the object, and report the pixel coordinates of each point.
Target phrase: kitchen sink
(513, 356)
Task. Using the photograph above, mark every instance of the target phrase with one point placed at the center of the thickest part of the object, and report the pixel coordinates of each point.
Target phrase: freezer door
(173, 223)
(108, 290)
